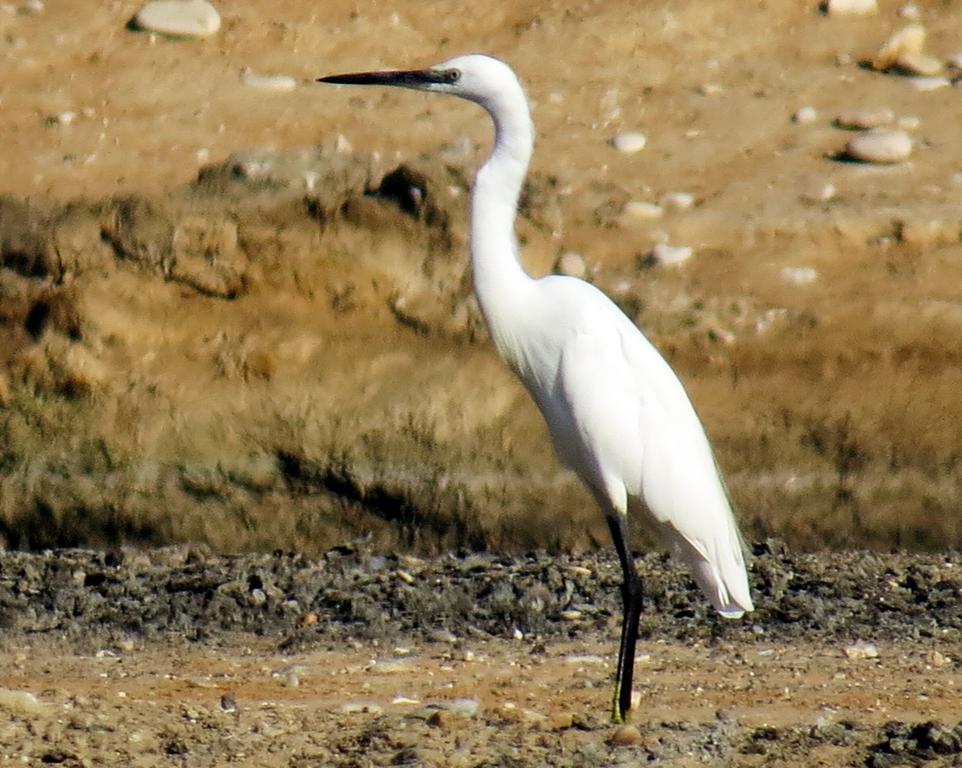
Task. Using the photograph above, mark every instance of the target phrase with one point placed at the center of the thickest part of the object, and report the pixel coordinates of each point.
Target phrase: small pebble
(851, 7)
(670, 255)
(861, 650)
(361, 707)
(860, 119)
(955, 60)
(560, 721)
(799, 275)
(66, 117)
(629, 142)
(678, 201)
(881, 146)
(404, 576)
(710, 89)
(820, 193)
(278, 83)
(908, 123)
(571, 615)
(178, 18)
(443, 636)
(642, 211)
(393, 666)
(805, 115)
(228, 703)
(909, 39)
(910, 11)
(626, 736)
(32, 7)
(925, 84)
(572, 264)
(937, 659)
(918, 64)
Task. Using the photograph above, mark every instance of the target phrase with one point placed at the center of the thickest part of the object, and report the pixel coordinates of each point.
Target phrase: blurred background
(235, 305)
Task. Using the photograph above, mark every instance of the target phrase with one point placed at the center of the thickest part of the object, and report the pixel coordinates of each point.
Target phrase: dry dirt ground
(218, 324)
(488, 702)
(180, 657)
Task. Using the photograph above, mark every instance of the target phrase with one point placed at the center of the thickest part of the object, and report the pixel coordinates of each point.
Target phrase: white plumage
(617, 413)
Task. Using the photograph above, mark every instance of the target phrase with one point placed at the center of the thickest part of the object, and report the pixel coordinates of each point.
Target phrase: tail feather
(720, 574)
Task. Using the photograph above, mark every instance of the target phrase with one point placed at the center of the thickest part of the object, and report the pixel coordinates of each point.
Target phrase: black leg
(632, 596)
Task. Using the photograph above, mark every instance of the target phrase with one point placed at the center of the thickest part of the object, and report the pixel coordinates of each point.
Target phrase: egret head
(476, 77)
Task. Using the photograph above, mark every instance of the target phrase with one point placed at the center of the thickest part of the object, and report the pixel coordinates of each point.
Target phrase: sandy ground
(491, 702)
(357, 659)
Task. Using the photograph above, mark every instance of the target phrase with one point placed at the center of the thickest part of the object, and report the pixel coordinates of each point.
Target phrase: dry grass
(233, 372)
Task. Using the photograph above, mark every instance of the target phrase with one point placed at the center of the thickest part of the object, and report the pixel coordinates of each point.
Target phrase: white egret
(617, 413)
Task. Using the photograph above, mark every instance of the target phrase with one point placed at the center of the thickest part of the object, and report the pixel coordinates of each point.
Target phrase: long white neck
(499, 280)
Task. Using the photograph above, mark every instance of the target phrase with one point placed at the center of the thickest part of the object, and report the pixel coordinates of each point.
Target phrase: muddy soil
(354, 658)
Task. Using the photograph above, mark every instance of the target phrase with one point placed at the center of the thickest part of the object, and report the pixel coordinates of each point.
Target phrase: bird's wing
(637, 428)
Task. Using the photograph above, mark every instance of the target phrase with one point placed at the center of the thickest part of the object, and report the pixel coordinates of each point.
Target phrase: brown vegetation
(284, 351)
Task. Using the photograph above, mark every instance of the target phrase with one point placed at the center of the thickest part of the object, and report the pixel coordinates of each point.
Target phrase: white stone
(910, 11)
(918, 64)
(279, 83)
(861, 650)
(629, 142)
(909, 122)
(821, 193)
(678, 201)
(925, 84)
(710, 89)
(178, 18)
(805, 115)
(864, 118)
(799, 275)
(955, 60)
(880, 145)
(64, 118)
(639, 210)
(909, 39)
(571, 264)
(670, 255)
(851, 7)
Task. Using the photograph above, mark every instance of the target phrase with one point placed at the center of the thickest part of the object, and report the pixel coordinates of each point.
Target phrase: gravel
(88, 597)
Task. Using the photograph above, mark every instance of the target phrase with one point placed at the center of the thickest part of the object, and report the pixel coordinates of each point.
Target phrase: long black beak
(412, 78)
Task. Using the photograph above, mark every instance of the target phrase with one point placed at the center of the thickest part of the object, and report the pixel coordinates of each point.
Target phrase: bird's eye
(452, 75)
